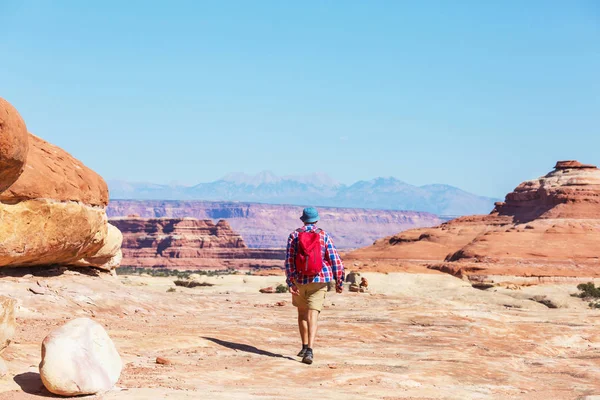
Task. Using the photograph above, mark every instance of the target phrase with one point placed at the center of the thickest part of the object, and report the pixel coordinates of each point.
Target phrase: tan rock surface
(7, 328)
(14, 145)
(7, 321)
(71, 231)
(109, 256)
(413, 337)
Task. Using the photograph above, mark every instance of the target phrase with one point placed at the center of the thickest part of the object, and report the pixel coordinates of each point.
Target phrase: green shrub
(282, 289)
(191, 284)
(588, 290)
(166, 273)
(171, 290)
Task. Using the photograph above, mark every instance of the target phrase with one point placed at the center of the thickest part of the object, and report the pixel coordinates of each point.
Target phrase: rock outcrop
(7, 327)
(13, 145)
(188, 243)
(268, 225)
(52, 207)
(546, 227)
(79, 358)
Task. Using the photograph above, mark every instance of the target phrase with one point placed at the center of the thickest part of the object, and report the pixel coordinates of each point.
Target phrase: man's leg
(313, 322)
(303, 324)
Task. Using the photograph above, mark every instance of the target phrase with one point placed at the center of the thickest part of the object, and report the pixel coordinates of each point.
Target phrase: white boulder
(79, 358)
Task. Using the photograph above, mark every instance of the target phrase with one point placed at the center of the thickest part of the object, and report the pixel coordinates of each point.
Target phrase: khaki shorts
(312, 296)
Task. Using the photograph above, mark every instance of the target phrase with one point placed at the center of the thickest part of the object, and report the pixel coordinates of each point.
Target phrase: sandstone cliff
(188, 243)
(268, 226)
(547, 227)
(52, 207)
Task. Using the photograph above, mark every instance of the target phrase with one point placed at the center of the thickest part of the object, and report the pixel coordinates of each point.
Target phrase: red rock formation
(268, 226)
(187, 244)
(13, 145)
(52, 173)
(52, 207)
(548, 226)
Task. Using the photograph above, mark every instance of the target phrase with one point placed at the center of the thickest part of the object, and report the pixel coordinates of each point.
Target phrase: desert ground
(413, 336)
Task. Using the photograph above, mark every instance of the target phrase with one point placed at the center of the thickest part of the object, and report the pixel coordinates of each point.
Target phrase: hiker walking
(311, 262)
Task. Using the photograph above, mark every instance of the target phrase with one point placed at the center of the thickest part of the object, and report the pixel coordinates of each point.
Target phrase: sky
(477, 94)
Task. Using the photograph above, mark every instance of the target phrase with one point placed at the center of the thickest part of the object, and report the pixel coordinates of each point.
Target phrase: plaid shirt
(333, 269)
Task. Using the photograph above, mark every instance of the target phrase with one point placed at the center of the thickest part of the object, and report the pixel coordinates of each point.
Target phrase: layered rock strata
(546, 227)
(268, 225)
(52, 207)
(187, 244)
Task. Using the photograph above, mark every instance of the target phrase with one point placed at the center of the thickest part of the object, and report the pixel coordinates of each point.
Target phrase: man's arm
(337, 267)
(290, 264)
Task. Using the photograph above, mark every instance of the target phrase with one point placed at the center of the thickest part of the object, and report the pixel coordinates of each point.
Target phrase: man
(311, 262)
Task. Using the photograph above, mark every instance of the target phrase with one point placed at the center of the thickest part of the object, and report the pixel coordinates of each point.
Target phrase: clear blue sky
(477, 94)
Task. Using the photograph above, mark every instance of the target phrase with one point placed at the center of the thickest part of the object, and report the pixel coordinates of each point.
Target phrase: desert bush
(171, 289)
(589, 291)
(282, 289)
(166, 273)
(190, 284)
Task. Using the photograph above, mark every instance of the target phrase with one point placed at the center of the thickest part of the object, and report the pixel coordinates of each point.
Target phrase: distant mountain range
(315, 189)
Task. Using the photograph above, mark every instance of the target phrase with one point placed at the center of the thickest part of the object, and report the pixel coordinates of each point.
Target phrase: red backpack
(309, 259)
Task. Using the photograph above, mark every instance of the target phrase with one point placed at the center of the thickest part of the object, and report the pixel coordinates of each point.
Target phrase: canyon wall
(188, 244)
(268, 226)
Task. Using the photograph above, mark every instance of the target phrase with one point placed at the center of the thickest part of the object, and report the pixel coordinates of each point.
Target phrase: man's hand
(339, 289)
(294, 290)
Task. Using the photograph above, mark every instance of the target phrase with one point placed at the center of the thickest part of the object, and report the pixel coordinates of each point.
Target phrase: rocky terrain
(414, 336)
(188, 244)
(547, 228)
(316, 189)
(45, 190)
(268, 226)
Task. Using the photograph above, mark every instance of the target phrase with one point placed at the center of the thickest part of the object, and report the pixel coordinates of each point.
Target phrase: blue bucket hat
(309, 215)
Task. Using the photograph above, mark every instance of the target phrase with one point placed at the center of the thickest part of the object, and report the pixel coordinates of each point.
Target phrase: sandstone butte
(52, 207)
(188, 244)
(547, 229)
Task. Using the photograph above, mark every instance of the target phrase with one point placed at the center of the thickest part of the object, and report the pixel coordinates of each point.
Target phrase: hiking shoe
(302, 352)
(308, 357)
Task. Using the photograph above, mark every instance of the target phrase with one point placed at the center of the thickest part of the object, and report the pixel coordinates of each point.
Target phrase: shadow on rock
(46, 271)
(30, 382)
(246, 348)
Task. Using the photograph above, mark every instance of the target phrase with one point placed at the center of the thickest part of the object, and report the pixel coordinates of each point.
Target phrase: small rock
(332, 366)
(281, 303)
(269, 289)
(163, 361)
(354, 287)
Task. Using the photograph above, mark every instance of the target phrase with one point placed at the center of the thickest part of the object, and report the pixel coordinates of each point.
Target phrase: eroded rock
(52, 207)
(546, 227)
(14, 145)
